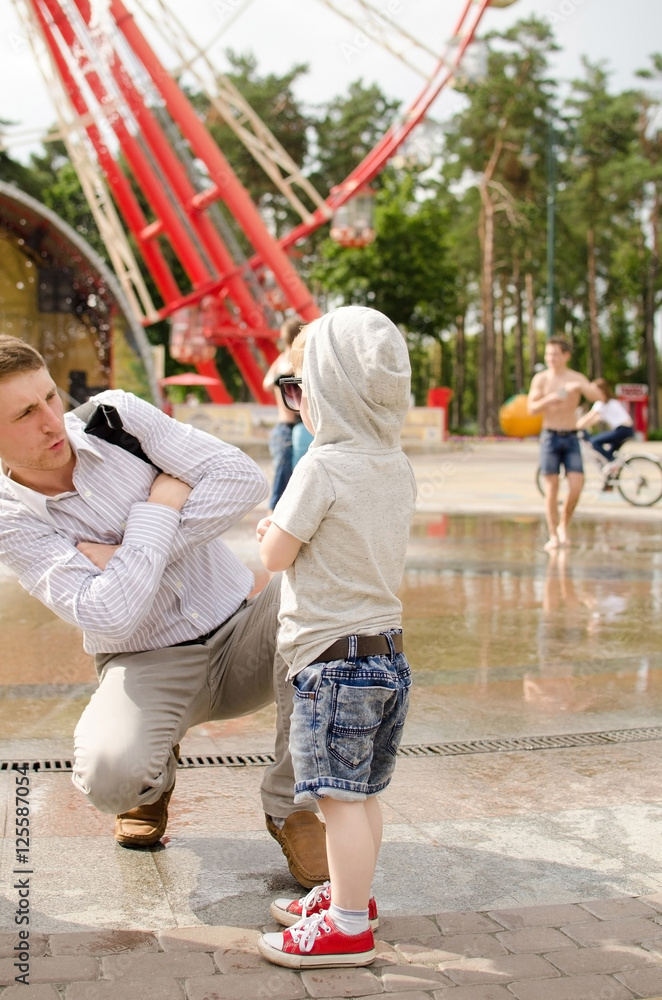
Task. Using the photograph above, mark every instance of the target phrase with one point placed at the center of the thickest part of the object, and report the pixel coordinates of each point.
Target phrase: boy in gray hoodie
(339, 533)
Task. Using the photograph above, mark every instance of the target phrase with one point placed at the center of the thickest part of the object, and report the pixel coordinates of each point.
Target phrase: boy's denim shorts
(346, 726)
(558, 450)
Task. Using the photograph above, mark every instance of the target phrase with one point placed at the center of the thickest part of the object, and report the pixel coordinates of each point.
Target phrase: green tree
(407, 273)
(462, 212)
(26, 177)
(346, 129)
(61, 191)
(649, 135)
(601, 184)
(497, 145)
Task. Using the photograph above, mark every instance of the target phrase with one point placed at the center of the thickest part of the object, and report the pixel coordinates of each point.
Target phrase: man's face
(555, 358)
(32, 434)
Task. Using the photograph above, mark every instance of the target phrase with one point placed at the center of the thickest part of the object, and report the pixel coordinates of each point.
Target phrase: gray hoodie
(351, 497)
(357, 378)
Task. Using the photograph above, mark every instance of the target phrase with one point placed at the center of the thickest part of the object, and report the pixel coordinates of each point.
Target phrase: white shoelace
(305, 933)
(315, 896)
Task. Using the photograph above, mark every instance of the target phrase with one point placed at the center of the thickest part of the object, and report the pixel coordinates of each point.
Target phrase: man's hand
(97, 552)
(262, 526)
(169, 491)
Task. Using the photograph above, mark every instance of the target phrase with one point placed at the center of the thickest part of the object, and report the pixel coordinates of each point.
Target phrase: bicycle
(637, 477)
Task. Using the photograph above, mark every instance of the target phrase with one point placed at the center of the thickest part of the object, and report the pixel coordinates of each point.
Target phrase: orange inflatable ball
(514, 419)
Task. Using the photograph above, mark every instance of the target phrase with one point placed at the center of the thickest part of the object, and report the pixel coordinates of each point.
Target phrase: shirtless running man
(555, 393)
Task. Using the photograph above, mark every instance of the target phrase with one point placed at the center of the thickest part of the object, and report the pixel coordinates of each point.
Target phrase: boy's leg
(351, 849)
(373, 811)
(340, 935)
(247, 674)
(289, 911)
(344, 738)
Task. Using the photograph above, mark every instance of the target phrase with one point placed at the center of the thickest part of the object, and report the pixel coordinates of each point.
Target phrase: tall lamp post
(551, 225)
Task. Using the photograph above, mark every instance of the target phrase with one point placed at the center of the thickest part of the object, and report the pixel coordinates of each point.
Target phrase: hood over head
(357, 378)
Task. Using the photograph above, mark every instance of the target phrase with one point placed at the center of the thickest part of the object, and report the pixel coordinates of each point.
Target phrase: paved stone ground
(594, 949)
(601, 950)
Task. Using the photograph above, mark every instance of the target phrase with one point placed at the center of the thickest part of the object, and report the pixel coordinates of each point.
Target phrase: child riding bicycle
(607, 410)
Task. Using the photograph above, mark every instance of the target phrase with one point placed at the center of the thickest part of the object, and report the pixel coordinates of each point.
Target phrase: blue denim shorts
(346, 726)
(558, 450)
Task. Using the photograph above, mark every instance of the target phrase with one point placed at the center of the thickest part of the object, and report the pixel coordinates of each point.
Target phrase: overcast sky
(281, 33)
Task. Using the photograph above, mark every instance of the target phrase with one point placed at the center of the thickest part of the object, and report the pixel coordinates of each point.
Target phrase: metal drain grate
(519, 743)
(515, 744)
(228, 760)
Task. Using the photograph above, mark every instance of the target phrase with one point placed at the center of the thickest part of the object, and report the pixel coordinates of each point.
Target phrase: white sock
(349, 921)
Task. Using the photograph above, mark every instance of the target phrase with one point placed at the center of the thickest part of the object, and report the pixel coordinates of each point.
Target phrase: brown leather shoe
(144, 825)
(303, 842)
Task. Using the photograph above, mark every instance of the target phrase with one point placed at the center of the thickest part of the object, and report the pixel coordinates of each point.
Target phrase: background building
(57, 294)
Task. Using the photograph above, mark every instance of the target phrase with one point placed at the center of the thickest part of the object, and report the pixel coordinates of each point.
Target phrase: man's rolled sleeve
(152, 525)
(226, 482)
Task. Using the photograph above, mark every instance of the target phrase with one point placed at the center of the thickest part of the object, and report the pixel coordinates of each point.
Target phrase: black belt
(201, 638)
(366, 645)
(560, 433)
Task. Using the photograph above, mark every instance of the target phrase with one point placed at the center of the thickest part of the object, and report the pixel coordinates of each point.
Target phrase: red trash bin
(441, 397)
(634, 396)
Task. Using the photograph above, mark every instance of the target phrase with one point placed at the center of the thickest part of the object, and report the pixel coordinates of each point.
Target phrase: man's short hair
(560, 342)
(290, 328)
(17, 357)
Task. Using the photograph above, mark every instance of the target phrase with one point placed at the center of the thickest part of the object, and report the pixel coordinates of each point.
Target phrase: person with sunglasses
(280, 441)
(339, 533)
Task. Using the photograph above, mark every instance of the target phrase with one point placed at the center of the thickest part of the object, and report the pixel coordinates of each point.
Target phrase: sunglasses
(290, 390)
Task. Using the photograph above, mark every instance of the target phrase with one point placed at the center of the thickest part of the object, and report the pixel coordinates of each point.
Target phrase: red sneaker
(291, 911)
(316, 943)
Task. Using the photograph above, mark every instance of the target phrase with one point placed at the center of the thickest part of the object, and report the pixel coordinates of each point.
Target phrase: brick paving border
(597, 950)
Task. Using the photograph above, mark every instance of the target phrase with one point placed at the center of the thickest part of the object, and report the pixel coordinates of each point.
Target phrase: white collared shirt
(172, 578)
(37, 502)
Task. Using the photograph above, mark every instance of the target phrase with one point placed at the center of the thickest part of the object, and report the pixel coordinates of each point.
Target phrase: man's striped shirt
(173, 578)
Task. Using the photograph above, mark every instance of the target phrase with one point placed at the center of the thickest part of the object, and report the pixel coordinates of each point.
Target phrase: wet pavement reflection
(509, 640)
(504, 639)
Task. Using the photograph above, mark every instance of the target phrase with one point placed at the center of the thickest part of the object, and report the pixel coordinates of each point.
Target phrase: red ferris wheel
(148, 164)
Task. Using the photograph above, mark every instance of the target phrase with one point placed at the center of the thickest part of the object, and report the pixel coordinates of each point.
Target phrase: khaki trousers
(147, 701)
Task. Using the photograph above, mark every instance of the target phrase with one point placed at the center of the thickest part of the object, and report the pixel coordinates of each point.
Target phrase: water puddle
(503, 638)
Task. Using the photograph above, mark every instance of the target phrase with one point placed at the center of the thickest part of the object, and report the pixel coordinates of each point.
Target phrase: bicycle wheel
(539, 482)
(639, 480)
